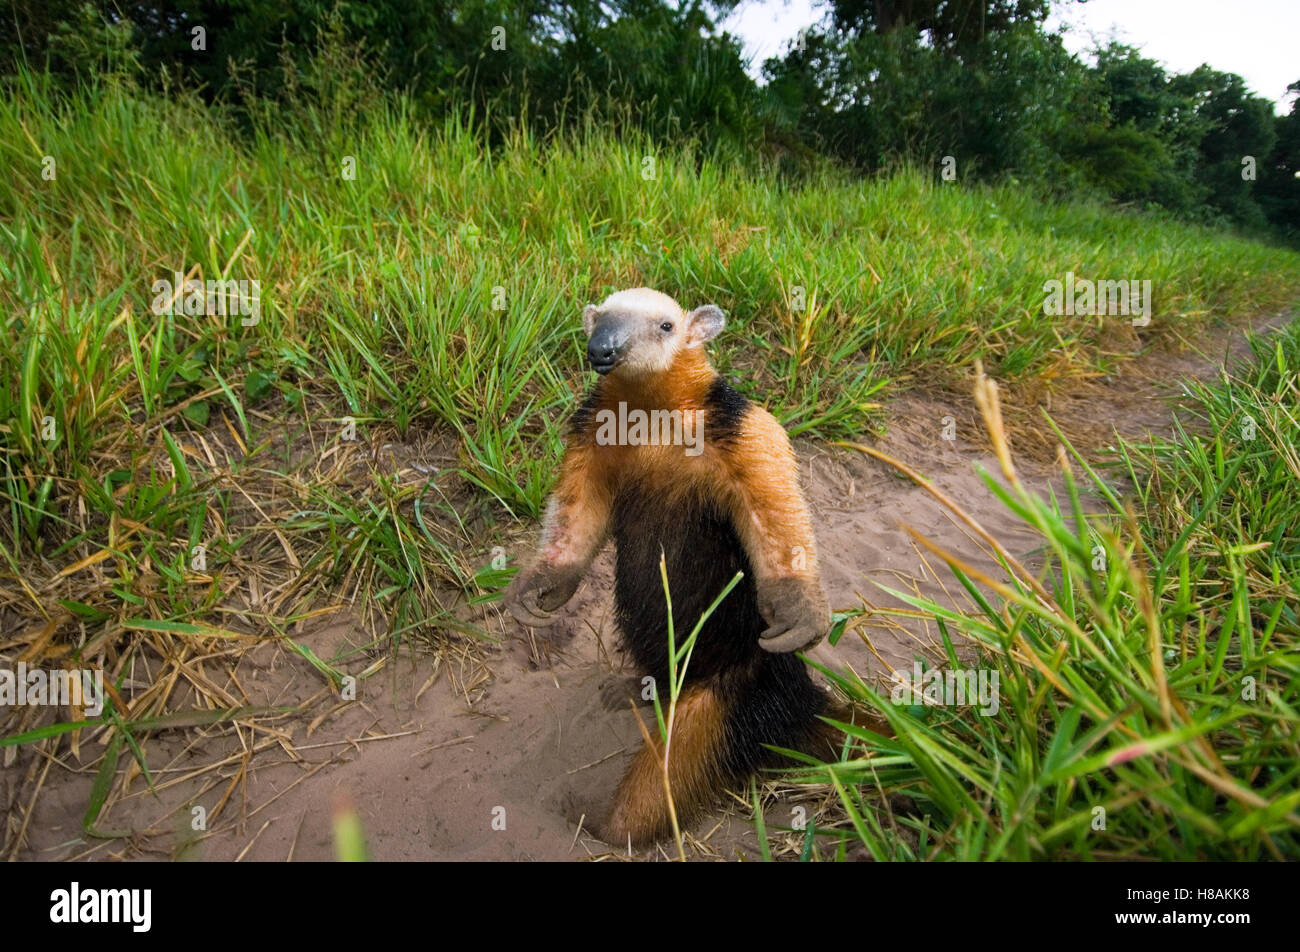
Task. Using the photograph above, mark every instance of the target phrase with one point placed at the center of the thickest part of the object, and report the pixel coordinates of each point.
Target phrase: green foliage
(435, 295)
(953, 26)
(872, 99)
(878, 83)
(1279, 179)
(1006, 100)
(1239, 130)
(1146, 677)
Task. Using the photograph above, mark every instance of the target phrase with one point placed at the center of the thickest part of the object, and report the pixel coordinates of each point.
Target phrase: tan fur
(762, 482)
(577, 516)
(641, 806)
(758, 476)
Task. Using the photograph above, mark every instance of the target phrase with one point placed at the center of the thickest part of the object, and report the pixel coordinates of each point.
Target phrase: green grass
(1146, 674)
(432, 304)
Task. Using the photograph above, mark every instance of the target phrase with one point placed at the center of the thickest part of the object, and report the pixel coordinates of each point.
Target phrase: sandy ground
(501, 758)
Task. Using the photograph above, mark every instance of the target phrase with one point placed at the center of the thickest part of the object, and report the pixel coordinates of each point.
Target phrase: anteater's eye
(666, 327)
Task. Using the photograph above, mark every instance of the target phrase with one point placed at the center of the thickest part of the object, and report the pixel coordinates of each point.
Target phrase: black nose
(608, 345)
(605, 349)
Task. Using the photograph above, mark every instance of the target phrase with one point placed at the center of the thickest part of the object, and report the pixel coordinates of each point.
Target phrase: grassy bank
(181, 477)
(1149, 705)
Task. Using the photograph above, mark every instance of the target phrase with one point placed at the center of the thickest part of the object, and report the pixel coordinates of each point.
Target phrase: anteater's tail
(719, 735)
(696, 771)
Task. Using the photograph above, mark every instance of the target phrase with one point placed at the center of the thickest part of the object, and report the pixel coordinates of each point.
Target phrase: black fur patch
(726, 409)
(778, 706)
(702, 553)
(768, 699)
(580, 422)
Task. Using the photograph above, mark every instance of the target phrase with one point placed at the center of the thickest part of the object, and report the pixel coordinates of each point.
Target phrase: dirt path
(537, 735)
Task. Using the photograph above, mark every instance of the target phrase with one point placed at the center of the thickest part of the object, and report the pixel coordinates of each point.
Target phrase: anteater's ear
(589, 319)
(705, 323)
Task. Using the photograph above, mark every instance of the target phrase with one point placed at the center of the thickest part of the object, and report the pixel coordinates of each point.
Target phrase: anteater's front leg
(772, 520)
(574, 529)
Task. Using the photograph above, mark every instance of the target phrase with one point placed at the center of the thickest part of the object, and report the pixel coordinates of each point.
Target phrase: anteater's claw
(782, 641)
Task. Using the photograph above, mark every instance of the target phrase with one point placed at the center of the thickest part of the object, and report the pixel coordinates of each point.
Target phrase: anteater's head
(641, 332)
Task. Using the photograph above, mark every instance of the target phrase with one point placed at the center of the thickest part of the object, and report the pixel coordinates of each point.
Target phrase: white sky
(767, 26)
(1257, 39)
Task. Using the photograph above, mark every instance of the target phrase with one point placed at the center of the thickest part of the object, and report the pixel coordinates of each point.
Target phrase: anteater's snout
(606, 348)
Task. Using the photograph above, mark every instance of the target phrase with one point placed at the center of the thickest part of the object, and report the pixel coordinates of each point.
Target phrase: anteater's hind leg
(720, 736)
(776, 703)
(695, 771)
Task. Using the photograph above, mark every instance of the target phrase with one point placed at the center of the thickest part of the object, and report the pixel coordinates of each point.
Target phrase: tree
(950, 26)
(1278, 188)
(1239, 133)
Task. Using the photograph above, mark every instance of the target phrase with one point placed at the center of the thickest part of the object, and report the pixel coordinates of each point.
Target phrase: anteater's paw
(538, 591)
(800, 637)
(617, 689)
(797, 614)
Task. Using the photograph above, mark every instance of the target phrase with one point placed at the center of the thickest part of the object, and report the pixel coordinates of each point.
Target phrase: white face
(640, 332)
